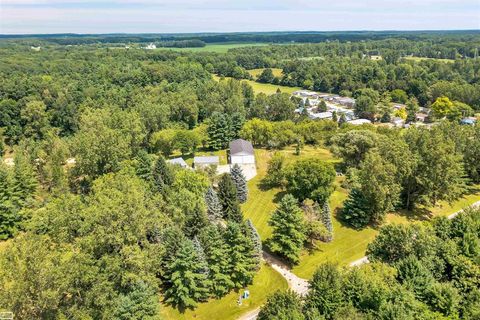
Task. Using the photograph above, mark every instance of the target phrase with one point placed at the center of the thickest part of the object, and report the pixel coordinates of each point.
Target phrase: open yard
(265, 282)
(219, 48)
(265, 87)
(256, 72)
(348, 244)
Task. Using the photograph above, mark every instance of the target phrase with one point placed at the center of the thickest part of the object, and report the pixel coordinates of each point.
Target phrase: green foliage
(288, 229)
(240, 183)
(285, 305)
(227, 193)
(352, 146)
(355, 210)
(139, 303)
(162, 174)
(214, 207)
(310, 179)
(275, 174)
(256, 240)
(327, 220)
(399, 96)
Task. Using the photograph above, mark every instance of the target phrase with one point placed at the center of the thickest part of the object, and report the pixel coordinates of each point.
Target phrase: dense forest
(96, 224)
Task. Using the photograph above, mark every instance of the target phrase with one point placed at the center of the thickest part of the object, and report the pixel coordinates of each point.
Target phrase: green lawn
(256, 72)
(265, 87)
(218, 48)
(266, 281)
(424, 58)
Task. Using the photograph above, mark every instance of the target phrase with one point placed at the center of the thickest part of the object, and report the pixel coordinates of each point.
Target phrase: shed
(205, 161)
(179, 162)
(241, 152)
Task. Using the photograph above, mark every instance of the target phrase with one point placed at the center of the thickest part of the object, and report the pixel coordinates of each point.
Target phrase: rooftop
(241, 146)
(178, 161)
(206, 160)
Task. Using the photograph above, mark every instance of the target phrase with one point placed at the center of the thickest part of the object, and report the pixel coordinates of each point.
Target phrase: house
(321, 115)
(359, 121)
(345, 101)
(421, 117)
(178, 162)
(206, 161)
(241, 152)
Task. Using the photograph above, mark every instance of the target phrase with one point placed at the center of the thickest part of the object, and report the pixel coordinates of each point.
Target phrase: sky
(177, 16)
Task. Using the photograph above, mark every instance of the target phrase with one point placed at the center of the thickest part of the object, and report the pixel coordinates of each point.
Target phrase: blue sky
(152, 16)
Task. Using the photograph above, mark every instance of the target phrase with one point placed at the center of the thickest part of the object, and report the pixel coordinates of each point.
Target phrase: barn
(241, 152)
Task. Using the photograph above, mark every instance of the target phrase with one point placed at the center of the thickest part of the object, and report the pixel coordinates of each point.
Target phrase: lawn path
(453, 215)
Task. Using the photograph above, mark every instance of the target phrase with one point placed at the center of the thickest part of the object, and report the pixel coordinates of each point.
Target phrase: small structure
(421, 117)
(398, 122)
(36, 48)
(241, 152)
(321, 115)
(358, 122)
(178, 162)
(470, 121)
(151, 46)
(206, 161)
(345, 101)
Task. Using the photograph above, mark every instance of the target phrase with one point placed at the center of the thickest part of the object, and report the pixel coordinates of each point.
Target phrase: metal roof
(178, 161)
(206, 160)
(241, 146)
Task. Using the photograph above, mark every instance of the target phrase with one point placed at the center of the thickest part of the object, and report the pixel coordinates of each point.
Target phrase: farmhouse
(205, 161)
(241, 152)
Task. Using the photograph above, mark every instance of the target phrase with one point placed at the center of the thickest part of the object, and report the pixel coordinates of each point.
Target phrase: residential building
(241, 152)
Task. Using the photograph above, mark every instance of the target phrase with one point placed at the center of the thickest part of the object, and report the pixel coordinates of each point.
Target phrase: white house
(241, 152)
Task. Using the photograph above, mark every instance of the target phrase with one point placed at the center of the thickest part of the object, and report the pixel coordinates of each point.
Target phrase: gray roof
(241, 146)
(206, 160)
(178, 161)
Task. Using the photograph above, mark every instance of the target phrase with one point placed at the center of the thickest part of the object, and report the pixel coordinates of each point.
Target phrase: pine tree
(144, 165)
(288, 229)
(162, 174)
(334, 116)
(219, 131)
(227, 193)
(25, 181)
(355, 210)
(257, 242)
(342, 119)
(241, 255)
(185, 281)
(195, 221)
(240, 183)
(216, 254)
(327, 220)
(412, 109)
(214, 208)
(202, 265)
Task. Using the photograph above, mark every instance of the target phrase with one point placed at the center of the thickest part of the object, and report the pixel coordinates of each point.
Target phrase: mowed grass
(266, 88)
(425, 58)
(255, 73)
(266, 281)
(218, 48)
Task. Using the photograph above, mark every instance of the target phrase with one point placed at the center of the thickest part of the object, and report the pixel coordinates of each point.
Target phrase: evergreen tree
(139, 303)
(412, 109)
(257, 242)
(227, 193)
(241, 255)
(214, 208)
(195, 222)
(216, 254)
(202, 260)
(162, 174)
(282, 305)
(240, 183)
(219, 131)
(237, 120)
(288, 229)
(355, 209)
(335, 116)
(143, 167)
(342, 119)
(185, 281)
(322, 106)
(327, 220)
(9, 218)
(24, 180)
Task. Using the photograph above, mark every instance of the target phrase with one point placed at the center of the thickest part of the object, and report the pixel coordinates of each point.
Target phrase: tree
(219, 131)
(442, 107)
(241, 255)
(280, 107)
(322, 106)
(227, 193)
(216, 255)
(144, 165)
(162, 175)
(275, 175)
(327, 220)
(163, 141)
(186, 141)
(352, 146)
(257, 242)
(25, 183)
(288, 229)
(310, 178)
(282, 305)
(266, 76)
(335, 117)
(412, 109)
(325, 295)
(214, 208)
(399, 96)
(195, 222)
(35, 119)
(240, 183)
(141, 302)
(366, 102)
(185, 281)
(343, 119)
(9, 217)
(355, 209)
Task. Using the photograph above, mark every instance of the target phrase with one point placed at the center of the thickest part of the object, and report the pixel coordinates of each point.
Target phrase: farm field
(265, 87)
(227, 308)
(218, 48)
(277, 72)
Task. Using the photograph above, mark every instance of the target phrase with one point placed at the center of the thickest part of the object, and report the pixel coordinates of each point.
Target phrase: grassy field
(265, 87)
(256, 72)
(424, 58)
(348, 244)
(265, 282)
(218, 48)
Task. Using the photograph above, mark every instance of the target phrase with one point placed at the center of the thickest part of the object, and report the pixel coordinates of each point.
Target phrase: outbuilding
(241, 152)
(178, 162)
(206, 161)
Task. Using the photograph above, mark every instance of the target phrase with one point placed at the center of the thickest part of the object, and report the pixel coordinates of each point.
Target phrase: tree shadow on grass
(278, 196)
